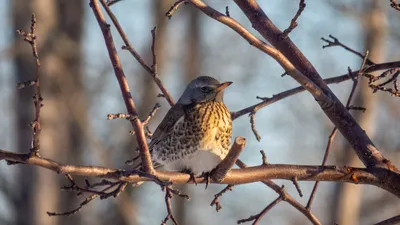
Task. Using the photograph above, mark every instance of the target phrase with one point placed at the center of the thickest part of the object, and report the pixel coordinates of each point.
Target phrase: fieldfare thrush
(195, 135)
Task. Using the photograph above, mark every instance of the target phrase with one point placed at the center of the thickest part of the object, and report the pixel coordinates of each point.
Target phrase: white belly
(198, 162)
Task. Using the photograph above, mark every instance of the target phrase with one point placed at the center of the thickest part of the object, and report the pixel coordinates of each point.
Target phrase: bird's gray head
(203, 89)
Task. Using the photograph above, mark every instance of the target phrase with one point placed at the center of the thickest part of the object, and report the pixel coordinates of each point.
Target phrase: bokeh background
(79, 89)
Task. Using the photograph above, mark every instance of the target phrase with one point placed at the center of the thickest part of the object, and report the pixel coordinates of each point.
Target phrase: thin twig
(394, 72)
(168, 196)
(173, 8)
(253, 125)
(264, 157)
(336, 42)
(296, 184)
(145, 122)
(216, 202)
(328, 147)
(153, 51)
(94, 194)
(394, 5)
(257, 218)
(26, 84)
(30, 37)
(293, 22)
(227, 11)
(112, 116)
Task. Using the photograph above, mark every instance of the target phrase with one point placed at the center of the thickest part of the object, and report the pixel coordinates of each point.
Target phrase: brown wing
(163, 129)
(167, 124)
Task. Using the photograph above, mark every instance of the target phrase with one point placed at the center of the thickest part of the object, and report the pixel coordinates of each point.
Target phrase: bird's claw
(207, 178)
(192, 177)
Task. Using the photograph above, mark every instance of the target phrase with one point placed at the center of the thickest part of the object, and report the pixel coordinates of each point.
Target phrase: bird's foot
(207, 178)
(192, 176)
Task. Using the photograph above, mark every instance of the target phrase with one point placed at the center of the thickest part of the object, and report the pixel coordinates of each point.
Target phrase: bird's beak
(223, 86)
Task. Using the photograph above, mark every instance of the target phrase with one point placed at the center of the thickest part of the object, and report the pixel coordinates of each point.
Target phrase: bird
(195, 135)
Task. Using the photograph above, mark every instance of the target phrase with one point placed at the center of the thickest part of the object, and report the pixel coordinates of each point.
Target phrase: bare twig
(168, 196)
(173, 8)
(94, 194)
(146, 121)
(112, 116)
(257, 218)
(119, 73)
(215, 201)
(328, 147)
(293, 22)
(153, 51)
(30, 37)
(336, 42)
(394, 72)
(264, 157)
(253, 125)
(26, 84)
(394, 5)
(296, 184)
(112, 2)
(82, 204)
(227, 11)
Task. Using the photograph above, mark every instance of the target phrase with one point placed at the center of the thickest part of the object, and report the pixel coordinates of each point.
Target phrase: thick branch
(303, 72)
(379, 177)
(229, 161)
(126, 94)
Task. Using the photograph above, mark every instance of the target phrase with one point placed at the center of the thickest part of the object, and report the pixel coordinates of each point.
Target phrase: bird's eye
(205, 89)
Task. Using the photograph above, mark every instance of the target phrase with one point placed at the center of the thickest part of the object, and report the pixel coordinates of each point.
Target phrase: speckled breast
(206, 126)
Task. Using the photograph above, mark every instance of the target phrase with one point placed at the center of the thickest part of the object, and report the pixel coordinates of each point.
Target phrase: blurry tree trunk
(59, 31)
(191, 70)
(349, 196)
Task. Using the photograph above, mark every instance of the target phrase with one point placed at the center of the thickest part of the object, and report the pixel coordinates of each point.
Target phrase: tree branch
(229, 161)
(119, 73)
(30, 38)
(379, 177)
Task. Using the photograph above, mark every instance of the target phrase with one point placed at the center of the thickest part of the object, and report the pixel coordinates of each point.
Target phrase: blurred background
(79, 89)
